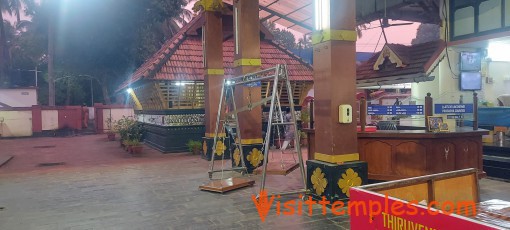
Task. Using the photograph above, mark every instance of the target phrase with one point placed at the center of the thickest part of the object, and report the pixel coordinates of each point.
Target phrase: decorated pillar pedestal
(333, 181)
(252, 154)
(222, 151)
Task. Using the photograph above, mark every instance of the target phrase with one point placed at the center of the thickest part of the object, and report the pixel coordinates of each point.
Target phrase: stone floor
(101, 187)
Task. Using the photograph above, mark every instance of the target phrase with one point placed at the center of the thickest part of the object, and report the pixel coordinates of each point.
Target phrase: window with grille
(183, 94)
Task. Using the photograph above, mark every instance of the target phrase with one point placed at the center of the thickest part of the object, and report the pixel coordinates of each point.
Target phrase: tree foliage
(10, 7)
(102, 40)
(281, 36)
(426, 33)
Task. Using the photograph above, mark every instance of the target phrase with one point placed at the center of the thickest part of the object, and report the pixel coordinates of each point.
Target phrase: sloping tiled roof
(180, 58)
(418, 59)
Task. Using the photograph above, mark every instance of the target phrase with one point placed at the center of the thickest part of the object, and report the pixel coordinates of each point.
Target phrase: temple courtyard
(87, 182)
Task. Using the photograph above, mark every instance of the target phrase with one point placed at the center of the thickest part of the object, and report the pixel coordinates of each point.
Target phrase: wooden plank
(5, 159)
(226, 185)
(277, 168)
(456, 189)
(416, 192)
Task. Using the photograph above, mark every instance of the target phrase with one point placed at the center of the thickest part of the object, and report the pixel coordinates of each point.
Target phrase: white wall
(116, 114)
(16, 123)
(445, 87)
(500, 74)
(49, 120)
(18, 97)
(91, 113)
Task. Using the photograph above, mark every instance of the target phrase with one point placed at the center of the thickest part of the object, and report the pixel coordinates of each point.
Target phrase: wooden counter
(402, 154)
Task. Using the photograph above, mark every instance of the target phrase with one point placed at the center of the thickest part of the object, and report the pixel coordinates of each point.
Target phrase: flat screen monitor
(470, 61)
(470, 81)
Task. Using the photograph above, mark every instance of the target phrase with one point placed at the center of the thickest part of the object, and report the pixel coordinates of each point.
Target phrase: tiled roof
(180, 58)
(418, 59)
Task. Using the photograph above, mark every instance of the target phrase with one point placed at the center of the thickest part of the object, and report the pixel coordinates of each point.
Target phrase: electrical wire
(446, 36)
(376, 45)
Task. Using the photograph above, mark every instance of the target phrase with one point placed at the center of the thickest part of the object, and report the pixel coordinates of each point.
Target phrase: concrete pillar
(247, 60)
(336, 166)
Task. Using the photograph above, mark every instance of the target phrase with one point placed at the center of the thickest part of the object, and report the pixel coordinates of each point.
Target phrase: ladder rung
(284, 123)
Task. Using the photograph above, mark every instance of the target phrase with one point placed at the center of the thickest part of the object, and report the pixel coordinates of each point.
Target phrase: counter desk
(400, 154)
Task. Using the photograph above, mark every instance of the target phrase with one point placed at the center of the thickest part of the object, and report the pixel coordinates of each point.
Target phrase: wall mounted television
(470, 61)
(470, 81)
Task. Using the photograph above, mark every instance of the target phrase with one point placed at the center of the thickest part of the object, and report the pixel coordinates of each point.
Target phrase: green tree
(426, 33)
(106, 48)
(11, 7)
(281, 36)
(304, 43)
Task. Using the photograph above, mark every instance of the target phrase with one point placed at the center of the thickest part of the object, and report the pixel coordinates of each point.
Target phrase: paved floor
(156, 191)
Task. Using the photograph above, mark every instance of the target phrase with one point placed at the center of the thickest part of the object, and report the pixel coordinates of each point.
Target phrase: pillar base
(334, 180)
(223, 148)
(252, 155)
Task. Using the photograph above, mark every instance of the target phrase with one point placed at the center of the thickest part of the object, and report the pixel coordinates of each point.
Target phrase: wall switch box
(345, 114)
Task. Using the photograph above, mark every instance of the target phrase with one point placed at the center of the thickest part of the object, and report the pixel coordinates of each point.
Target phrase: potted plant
(303, 138)
(110, 133)
(305, 118)
(194, 146)
(136, 147)
(127, 145)
(122, 127)
(134, 135)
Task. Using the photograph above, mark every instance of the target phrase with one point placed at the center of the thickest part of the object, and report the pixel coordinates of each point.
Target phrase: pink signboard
(369, 210)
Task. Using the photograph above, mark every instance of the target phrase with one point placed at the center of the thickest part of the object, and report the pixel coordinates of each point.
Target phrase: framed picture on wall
(444, 127)
(435, 123)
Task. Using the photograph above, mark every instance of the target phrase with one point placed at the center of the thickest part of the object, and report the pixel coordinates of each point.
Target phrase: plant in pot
(303, 138)
(122, 127)
(305, 118)
(136, 147)
(110, 133)
(127, 144)
(194, 146)
(135, 133)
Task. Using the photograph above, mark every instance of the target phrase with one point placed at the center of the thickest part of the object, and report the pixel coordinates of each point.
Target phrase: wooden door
(378, 156)
(468, 152)
(410, 159)
(441, 157)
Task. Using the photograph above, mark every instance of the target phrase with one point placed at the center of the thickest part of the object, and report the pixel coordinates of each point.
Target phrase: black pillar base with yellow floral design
(252, 154)
(334, 180)
(222, 148)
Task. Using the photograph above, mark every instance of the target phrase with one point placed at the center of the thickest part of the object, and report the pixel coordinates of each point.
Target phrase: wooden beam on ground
(5, 159)
(226, 185)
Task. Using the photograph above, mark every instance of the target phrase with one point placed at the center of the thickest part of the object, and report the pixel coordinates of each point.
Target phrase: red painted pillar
(98, 117)
(79, 117)
(36, 119)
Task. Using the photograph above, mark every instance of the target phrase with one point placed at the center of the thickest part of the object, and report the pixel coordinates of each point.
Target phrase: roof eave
(398, 79)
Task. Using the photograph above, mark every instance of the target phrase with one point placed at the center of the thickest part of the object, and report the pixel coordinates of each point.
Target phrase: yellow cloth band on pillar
(211, 135)
(247, 62)
(251, 141)
(215, 72)
(337, 158)
(208, 5)
(334, 35)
